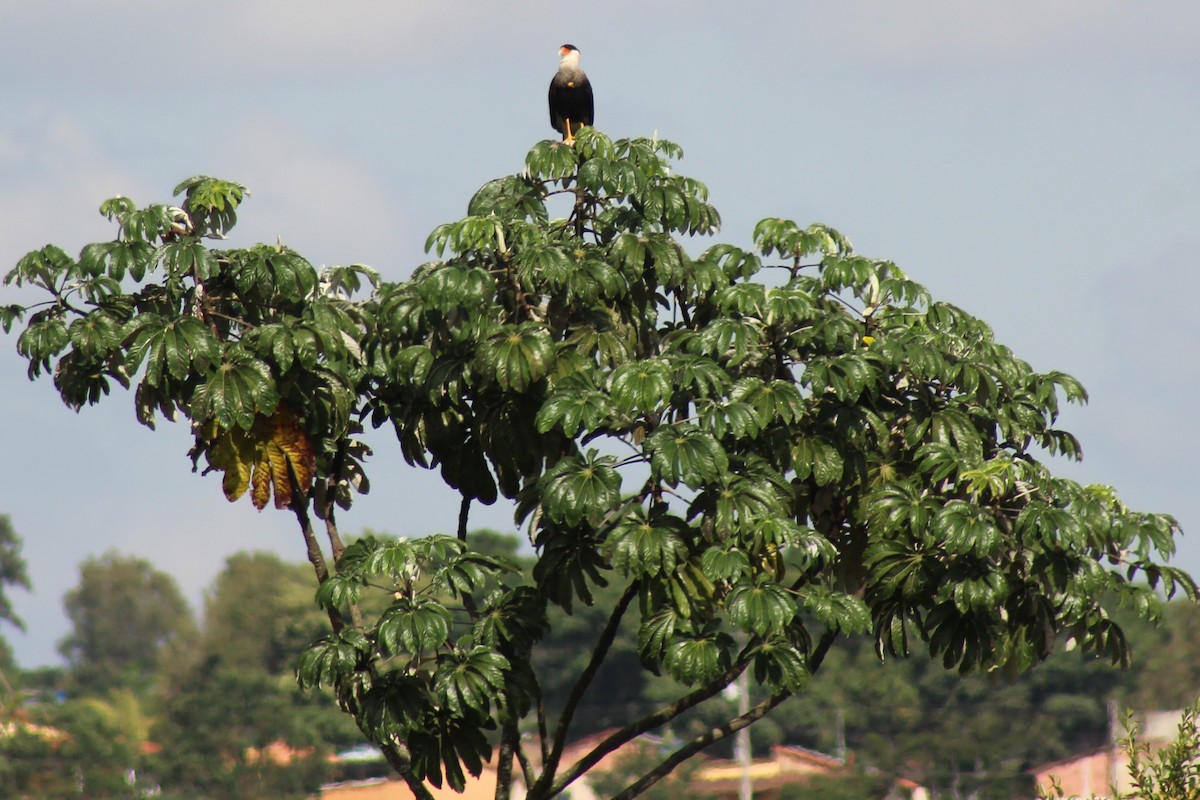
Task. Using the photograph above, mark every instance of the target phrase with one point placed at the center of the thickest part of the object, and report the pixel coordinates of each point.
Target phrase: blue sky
(1033, 162)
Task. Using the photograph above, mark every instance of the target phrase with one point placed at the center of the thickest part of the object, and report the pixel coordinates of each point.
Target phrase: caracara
(570, 95)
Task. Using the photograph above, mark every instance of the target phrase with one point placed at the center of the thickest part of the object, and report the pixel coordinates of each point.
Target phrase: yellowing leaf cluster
(274, 453)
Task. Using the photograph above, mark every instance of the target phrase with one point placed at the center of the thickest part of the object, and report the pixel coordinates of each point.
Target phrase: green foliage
(12, 570)
(219, 724)
(762, 450)
(69, 750)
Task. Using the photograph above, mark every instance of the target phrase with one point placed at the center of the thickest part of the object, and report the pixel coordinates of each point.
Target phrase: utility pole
(741, 744)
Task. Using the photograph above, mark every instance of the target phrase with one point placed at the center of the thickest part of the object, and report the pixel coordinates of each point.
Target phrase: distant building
(1096, 772)
(712, 779)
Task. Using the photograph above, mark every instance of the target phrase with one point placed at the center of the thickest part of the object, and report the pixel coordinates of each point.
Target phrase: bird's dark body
(570, 99)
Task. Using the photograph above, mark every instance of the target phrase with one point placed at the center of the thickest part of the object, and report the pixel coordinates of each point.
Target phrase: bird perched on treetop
(570, 95)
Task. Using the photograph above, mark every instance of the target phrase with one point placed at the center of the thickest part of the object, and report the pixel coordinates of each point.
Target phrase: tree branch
(699, 743)
(664, 715)
(598, 655)
(504, 760)
(313, 547)
(464, 510)
(648, 723)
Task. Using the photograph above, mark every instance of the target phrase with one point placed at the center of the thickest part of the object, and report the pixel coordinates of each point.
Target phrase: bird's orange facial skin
(562, 51)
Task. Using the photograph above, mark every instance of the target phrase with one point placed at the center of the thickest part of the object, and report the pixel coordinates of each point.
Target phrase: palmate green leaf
(211, 203)
(42, 340)
(628, 251)
(340, 590)
(468, 572)
(788, 308)
(780, 665)
(685, 454)
(517, 357)
(725, 563)
(1104, 638)
(46, 268)
(571, 562)
(129, 257)
(271, 274)
(552, 160)
(939, 461)
(413, 626)
(818, 459)
(964, 640)
(783, 236)
(237, 390)
(953, 426)
(593, 280)
(644, 386)
(573, 410)
(515, 618)
(733, 262)
(580, 486)
(189, 257)
(846, 376)
(837, 610)
(10, 314)
(776, 400)
(698, 375)
(395, 704)
(332, 659)
(95, 334)
(732, 418)
(656, 631)
(760, 607)
(732, 341)
(698, 659)
(466, 681)
(1050, 526)
(744, 299)
(546, 267)
(979, 592)
(643, 547)
(899, 569)
(891, 627)
(738, 503)
(396, 560)
(510, 197)
(668, 259)
(965, 528)
(184, 348)
(603, 340)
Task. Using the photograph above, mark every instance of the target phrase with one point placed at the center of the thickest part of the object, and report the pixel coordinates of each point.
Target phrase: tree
(762, 450)
(12, 570)
(259, 614)
(12, 573)
(122, 613)
(232, 696)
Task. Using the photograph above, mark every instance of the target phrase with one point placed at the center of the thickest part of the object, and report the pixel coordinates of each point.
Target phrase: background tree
(12, 573)
(123, 613)
(259, 614)
(12, 570)
(756, 466)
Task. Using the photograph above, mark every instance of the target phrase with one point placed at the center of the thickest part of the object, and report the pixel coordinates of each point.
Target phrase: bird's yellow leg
(570, 137)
